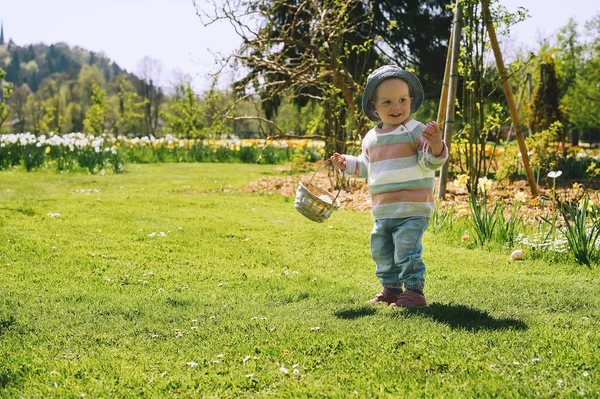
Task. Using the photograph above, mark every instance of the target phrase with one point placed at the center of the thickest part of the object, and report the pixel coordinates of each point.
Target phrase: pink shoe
(386, 296)
(408, 299)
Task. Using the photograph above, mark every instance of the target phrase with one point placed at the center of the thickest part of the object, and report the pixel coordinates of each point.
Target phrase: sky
(126, 31)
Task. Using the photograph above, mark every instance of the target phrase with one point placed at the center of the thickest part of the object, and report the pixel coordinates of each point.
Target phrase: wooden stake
(512, 125)
(448, 123)
(509, 98)
(441, 116)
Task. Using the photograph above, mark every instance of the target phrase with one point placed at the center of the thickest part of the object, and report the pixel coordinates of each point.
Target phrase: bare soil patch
(355, 196)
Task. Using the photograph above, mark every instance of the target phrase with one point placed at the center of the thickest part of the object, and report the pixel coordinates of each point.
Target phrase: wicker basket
(314, 202)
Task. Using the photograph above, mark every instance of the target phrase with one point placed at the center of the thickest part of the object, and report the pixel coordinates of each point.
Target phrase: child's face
(391, 100)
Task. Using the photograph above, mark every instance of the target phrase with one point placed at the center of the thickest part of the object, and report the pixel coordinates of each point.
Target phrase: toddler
(399, 157)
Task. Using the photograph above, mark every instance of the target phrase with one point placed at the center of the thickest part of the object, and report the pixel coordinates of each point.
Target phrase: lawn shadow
(6, 376)
(464, 317)
(6, 323)
(355, 313)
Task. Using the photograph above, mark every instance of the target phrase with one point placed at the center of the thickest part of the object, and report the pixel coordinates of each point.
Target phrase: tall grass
(581, 228)
(484, 217)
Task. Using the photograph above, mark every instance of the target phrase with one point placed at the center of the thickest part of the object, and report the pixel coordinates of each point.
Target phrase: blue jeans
(396, 249)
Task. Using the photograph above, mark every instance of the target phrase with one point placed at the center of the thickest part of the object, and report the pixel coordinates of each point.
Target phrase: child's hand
(433, 135)
(339, 162)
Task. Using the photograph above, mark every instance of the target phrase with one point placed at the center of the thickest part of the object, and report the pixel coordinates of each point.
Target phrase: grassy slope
(242, 287)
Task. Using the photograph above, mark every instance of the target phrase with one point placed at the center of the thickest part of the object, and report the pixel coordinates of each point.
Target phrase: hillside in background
(62, 89)
(59, 88)
(33, 63)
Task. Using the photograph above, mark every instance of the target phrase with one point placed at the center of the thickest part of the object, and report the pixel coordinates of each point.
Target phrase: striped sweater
(400, 169)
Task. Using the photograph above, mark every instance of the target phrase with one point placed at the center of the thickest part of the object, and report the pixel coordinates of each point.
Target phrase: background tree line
(61, 89)
(303, 65)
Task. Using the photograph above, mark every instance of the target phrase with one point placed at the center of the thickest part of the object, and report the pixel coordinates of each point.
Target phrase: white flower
(590, 205)
(529, 153)
(521, 196)
(554, 174)
(154, 234)
(192, 364)
(484, 184)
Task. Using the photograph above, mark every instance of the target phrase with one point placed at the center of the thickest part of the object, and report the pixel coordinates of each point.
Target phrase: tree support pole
(447, 116)
(441, 116)
(512, 125)
(509, 98)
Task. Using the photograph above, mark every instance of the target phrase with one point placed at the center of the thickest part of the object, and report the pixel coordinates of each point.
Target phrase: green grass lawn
(166, 282)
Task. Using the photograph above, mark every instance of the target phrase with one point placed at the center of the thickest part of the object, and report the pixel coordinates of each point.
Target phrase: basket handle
(313, 176)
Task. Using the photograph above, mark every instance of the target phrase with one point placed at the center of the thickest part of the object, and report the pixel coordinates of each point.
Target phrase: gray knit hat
(386, 72)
